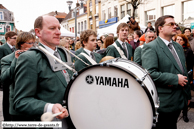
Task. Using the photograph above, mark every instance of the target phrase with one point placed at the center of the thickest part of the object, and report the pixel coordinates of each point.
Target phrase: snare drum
(116, 94)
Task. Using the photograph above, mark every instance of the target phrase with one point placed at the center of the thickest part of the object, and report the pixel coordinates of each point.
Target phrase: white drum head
(108, 98)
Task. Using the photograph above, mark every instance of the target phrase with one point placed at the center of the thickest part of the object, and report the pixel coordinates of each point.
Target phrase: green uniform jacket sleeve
(152, 64)
(7, 69)
(26, 86)
(137, 55)
(79, 65)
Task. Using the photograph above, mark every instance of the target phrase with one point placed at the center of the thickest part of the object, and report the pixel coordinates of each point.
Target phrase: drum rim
(109, 65)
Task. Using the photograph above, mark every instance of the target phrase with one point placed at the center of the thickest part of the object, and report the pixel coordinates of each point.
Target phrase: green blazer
(36, 84)
(163, 68)
(4, 50)
(112, 51)
(8, 64)
(78, 51)
(137, 54)
(79, 65)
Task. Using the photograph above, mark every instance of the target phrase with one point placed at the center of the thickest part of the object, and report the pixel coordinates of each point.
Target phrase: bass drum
(116, 94)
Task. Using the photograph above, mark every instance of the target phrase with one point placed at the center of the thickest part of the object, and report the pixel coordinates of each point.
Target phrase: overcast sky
(26, 11)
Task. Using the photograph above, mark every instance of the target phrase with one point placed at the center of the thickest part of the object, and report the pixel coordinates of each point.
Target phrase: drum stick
(57, 59)
(48, 116)
(75, 56)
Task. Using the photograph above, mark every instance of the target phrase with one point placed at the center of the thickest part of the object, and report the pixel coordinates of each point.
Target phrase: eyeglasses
(13, 38)
(32, 43)
(171, 24)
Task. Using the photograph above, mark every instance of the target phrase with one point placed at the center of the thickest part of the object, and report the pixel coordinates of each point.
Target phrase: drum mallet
(48, 116)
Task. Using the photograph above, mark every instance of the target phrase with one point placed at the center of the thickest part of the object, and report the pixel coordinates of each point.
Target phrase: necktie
(176, 57)
(125, 49)
(92, 55)
(64, 72)
(13, 49)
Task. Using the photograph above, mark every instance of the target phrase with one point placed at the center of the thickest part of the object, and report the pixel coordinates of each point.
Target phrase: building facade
(182, 10)
(109, 13)
(69, 22)
(94, 14)
(6, 22)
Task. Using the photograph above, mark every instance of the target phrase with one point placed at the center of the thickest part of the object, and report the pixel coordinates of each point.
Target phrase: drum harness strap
(119, 51)
(89, 58)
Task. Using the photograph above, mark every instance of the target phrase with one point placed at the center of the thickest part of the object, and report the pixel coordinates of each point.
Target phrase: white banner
(30, 124)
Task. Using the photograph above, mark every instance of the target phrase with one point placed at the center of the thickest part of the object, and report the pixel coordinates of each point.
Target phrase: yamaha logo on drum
(89, 79)
(108, 81)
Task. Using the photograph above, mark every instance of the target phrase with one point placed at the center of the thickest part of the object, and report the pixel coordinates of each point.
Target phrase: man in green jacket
(120, 46)
(5, 50)
(38, 88)
(149, 36)
(165, 61)
(25, 40)
(88, 40)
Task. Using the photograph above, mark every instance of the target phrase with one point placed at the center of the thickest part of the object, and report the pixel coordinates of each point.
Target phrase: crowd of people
(31, 85)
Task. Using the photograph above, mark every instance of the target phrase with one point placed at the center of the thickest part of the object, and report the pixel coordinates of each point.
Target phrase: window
(90, 3)
(151, 16)
(79, 27)
(97, 23)
(103, 15)
(96, 9)
(188, 10)
(73, 29)
(1, 16)
(85, 25)
(70, 29)
(122, 11)
(115, 11)
(96, 1)
(169, 10)
(129, 9)
(109, 13)
(82, 26)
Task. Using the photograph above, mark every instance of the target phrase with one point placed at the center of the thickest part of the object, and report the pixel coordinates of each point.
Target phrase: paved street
(181, 123)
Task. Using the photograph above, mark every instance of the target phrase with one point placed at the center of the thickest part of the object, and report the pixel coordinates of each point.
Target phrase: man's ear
(159, 28)
(37, 32)
(84, 43)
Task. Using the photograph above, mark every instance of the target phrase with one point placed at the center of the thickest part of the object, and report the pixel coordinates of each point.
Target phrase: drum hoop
(109, 65)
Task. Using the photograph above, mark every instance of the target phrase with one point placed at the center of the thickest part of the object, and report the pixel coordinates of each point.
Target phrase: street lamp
(75, 12)
(69, 3)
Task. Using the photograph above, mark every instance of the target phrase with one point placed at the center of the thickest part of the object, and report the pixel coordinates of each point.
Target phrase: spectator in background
(77, 38)
(64, 43)
(108, 41)
(178, 31)
(142, 40)
(78, 45)
(133, 25)
(149, 27)
(24, 41)
(183, 41)
(187, 32)
(111, 34)
(149, 36)
(72, 45)
(130, 38)
(1, 43)
(102, 38)
(99, 45)
(135, 43)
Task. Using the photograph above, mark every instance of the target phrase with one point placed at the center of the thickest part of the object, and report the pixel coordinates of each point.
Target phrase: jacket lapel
(168, 53)
(181, 56)
(119, 45)
(8, 48)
